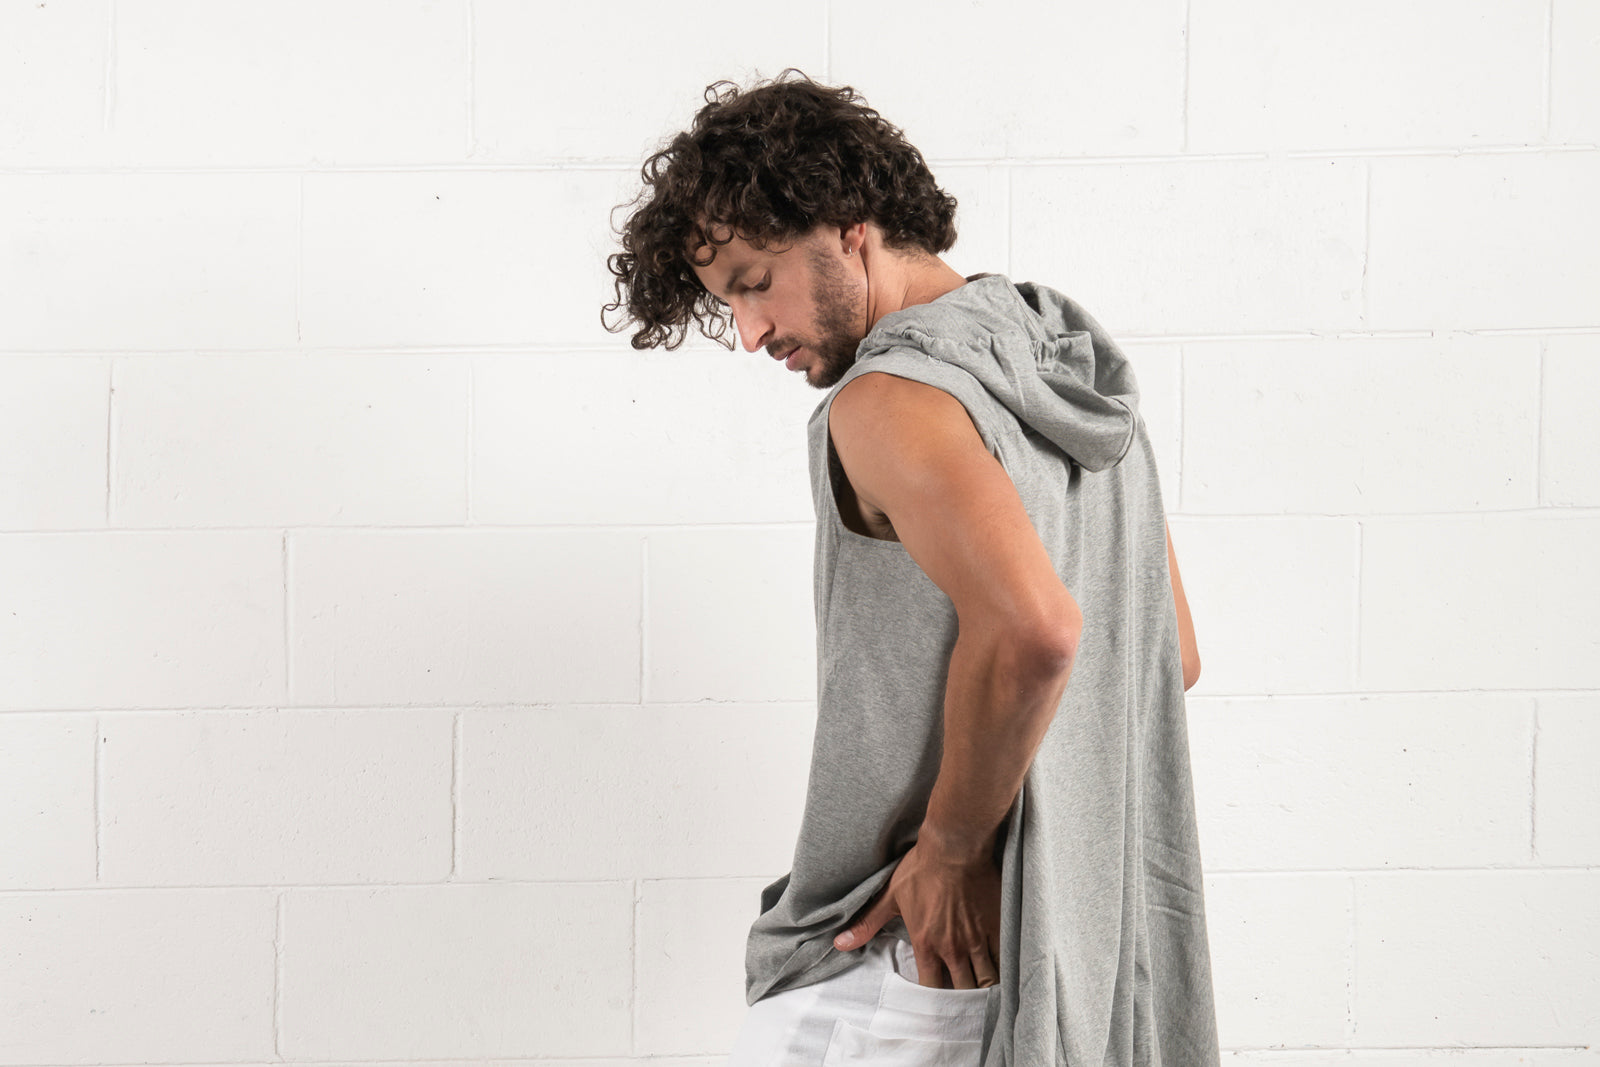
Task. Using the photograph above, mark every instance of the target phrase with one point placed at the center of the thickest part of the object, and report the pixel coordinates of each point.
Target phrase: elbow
(1051, 645)
(1191, 672)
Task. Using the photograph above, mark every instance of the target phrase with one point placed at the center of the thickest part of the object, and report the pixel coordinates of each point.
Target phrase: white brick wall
(394, 665)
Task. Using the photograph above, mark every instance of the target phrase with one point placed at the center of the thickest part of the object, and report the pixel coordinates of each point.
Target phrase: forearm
(1189, 650)
(999, 701)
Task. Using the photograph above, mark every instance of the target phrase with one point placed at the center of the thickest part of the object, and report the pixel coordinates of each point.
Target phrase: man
(998, 861)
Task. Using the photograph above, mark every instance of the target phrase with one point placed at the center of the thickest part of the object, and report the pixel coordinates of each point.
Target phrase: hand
(951, 908)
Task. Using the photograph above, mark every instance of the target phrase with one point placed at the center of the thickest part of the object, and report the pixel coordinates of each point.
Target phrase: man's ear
(851, 238)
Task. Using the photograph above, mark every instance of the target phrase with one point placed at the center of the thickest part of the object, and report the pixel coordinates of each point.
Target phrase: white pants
(873, 1013)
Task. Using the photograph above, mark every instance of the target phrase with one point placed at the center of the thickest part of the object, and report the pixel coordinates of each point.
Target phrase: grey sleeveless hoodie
(1104, 957)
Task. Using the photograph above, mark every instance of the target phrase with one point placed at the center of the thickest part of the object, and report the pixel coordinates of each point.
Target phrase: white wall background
(395, 666)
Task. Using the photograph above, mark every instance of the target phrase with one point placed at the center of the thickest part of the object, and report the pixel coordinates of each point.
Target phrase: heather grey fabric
(1104, 956)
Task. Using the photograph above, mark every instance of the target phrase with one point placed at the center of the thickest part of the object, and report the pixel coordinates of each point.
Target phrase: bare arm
(911, 452)
(1191, 651)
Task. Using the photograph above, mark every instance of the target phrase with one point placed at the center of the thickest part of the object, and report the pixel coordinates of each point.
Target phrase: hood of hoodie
(1037, 351)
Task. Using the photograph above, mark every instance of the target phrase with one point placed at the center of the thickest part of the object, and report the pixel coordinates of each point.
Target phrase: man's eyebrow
(718, 294)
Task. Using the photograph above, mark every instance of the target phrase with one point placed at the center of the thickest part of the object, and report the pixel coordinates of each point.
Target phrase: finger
(867, 926)
(930, 969)
(961, 974)
(983, 969)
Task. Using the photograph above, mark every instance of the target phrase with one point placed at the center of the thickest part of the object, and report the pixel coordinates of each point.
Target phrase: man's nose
(754, 330)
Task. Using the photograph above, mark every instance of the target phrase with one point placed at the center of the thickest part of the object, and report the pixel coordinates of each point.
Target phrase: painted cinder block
(1280, 957)
(1158, 369)
(1566, 791)
(730, 615)
(449, 258)
(128, 261)
(130, 619)
(1485, 958)
(1568, 473)
(297, 83)
(1272, 601)
(53, 429)
(1480, 602)
(1070, 79)
(983, 210)
(465, 972)
(55, 109)
(1361, 425)
(615, 94)
(282, 796)
(463, 616)
(1505, 240)
(1197, 246)
(47, 800)
(624, 437)
(1366, 74)
(1331, 783)
(138, 976)
(287, 439)
(691, 952)
(615, 792)
(1574, 55)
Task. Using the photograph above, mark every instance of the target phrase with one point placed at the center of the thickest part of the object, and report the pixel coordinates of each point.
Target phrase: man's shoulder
(897, 426)
(878, 396)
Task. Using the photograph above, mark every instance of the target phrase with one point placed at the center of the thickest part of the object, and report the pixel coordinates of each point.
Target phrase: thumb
(872, 920)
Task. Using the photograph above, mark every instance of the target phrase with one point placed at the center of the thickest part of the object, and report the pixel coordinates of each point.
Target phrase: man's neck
(916, 283)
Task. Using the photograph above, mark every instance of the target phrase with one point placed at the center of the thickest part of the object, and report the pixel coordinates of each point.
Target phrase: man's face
(802, 303)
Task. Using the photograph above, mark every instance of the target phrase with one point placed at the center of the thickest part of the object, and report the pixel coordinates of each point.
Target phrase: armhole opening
(839, 481)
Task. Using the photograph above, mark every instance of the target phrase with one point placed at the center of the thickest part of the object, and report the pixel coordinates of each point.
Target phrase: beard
(841, 308)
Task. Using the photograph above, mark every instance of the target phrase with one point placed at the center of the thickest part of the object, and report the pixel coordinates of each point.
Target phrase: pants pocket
(907, 1009)
(852, 1045)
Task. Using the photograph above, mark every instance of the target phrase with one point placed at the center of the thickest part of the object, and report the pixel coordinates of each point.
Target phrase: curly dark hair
(770, 163)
